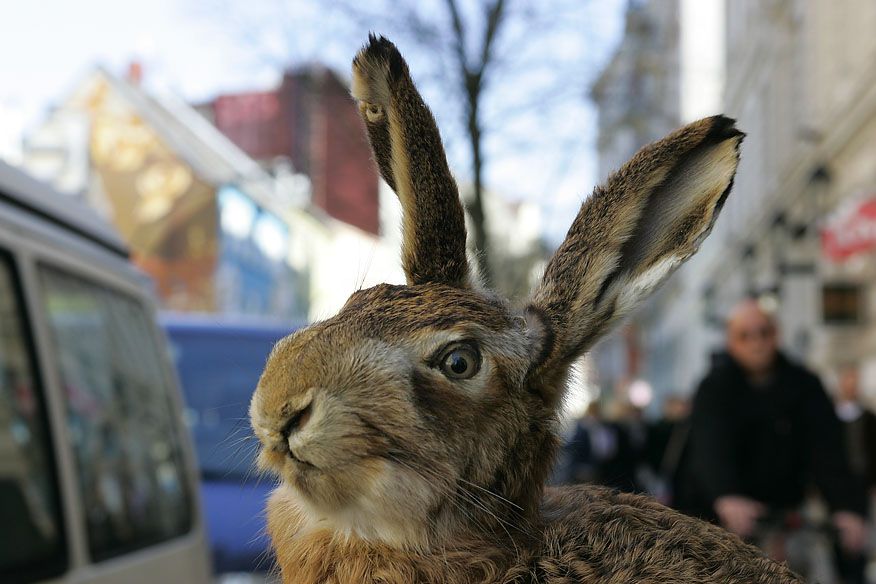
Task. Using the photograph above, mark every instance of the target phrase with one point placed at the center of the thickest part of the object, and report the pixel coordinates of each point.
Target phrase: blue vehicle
(219, 361)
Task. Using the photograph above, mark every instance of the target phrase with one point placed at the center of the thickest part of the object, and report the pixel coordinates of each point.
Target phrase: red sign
(852, 230)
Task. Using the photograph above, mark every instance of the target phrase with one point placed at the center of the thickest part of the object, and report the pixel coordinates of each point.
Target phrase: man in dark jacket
(762, 432)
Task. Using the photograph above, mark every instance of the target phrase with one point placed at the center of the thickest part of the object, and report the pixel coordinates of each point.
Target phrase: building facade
(798, 231)
(311, 122)
(201, 218)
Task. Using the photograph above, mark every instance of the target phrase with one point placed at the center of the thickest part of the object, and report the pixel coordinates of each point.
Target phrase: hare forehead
(393, 312)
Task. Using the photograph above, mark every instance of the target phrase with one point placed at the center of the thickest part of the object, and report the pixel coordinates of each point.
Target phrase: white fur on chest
(393, 510)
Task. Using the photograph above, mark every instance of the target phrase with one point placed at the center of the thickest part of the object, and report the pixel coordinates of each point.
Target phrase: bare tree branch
(473, 86)
(459, 45)
(494, 17)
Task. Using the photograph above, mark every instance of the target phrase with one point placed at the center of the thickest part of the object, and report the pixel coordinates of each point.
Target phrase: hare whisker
(460, 491)
(437, 482)
(491, 493)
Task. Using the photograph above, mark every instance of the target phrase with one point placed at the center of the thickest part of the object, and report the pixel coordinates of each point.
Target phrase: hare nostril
(296, 422)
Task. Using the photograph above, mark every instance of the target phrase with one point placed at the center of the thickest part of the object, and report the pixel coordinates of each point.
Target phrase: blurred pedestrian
(859, 425)
(666, 449)
(621, 471)
(590, 442)
(601, 451)
(763, 431)
(859, 430)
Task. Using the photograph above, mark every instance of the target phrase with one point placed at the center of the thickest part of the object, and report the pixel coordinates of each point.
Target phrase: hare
(413, 432)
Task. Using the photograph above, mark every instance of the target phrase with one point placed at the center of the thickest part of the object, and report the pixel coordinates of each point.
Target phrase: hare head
(428, 412)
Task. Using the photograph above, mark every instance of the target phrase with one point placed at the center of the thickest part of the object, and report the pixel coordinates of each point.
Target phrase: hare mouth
(301, 462)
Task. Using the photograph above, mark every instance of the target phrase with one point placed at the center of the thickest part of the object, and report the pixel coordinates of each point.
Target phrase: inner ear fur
(633, 232)
(409, 154)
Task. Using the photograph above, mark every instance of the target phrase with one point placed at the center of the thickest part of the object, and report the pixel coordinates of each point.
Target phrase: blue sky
(197, 49)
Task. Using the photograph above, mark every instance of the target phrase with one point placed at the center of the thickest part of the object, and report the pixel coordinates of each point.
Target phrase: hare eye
(460, 361)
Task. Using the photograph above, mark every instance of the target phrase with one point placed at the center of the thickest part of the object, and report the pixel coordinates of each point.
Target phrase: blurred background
(220, 142)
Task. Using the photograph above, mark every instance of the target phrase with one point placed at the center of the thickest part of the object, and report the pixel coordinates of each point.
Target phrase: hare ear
(631, 234)
(407, 146)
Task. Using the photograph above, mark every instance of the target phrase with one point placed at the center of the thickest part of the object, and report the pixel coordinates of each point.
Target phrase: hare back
(594, 534)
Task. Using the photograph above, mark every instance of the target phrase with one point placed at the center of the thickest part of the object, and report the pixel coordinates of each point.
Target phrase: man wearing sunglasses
(763, 433)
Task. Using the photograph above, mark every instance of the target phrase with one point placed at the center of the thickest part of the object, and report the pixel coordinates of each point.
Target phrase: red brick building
(312, 120)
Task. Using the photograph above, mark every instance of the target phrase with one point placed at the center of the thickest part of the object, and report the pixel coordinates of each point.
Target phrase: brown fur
(588, 534)
(394, 470)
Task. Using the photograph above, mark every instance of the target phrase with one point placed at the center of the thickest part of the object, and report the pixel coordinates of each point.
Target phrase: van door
(124, 430)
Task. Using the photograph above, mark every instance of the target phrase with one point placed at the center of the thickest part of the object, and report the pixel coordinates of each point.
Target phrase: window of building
(842, 303)
(121, 423)
(31, 530)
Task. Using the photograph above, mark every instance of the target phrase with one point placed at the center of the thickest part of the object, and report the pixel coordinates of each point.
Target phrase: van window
(31, 536)
(121, 423)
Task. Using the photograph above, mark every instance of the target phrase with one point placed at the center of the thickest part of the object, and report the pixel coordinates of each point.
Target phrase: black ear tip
(379, 47)
(378, 42)
(381, 50)
(723, 128)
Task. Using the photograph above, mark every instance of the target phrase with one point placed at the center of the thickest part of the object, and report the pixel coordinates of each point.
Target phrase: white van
(97, 475)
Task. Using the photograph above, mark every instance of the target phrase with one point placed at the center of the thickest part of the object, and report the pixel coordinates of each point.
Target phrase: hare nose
(296, 422)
